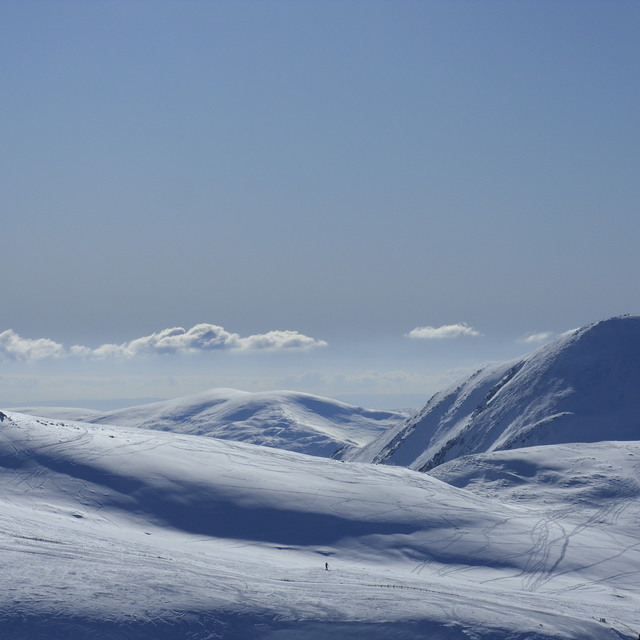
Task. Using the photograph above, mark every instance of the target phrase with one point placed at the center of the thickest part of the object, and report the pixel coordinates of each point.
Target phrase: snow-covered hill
(108, 532)
(583, 387)
(592, 476)
(283, 419)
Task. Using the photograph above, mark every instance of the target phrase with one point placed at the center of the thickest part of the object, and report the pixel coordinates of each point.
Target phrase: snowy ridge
(110, 532)
(581, 387)
(282, 419)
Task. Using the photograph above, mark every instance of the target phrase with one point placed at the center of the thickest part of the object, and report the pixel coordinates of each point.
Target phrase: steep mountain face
(282, 419)
(582, 387)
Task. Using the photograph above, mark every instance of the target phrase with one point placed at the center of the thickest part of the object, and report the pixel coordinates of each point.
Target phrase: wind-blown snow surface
(108, 532)
(583, 387)
(283, 419)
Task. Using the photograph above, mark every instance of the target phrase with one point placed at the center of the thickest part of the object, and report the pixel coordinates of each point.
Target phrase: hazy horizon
(356, 200)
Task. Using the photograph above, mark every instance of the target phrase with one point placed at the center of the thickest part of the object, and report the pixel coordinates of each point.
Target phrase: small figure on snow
(326, 566)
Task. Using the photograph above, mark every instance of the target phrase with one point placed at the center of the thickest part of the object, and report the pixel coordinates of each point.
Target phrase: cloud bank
(176, 341)
(444, 332)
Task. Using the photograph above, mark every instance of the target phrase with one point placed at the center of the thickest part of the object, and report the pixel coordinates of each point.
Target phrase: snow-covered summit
(582, 387)
(282, 419)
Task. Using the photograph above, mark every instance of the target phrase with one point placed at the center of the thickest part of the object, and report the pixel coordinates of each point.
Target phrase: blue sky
(340, 173)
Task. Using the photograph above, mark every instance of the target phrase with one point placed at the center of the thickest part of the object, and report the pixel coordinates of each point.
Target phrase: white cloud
(444, 332)
(537, 337)
(176, 340)
(280, 340)
(16, 348)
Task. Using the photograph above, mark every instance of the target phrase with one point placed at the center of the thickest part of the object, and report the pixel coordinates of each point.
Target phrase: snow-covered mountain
(283, 419)
(110, 532)
(582, 387)
(114, 531)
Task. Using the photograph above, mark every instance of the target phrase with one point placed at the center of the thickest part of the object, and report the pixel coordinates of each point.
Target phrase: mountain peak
(581, 387)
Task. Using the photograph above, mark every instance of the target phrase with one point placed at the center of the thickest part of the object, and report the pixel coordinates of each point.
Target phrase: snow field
(171, 536)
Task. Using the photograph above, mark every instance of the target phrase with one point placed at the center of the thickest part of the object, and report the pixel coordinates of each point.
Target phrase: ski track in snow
(404, 549)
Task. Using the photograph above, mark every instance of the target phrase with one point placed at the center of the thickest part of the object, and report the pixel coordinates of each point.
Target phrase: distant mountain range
(582, 387)
(283, 419)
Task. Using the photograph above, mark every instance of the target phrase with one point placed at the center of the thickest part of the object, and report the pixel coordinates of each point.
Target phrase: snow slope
(282, 419)
(583, 387)
(591, 476)
(108, 532)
